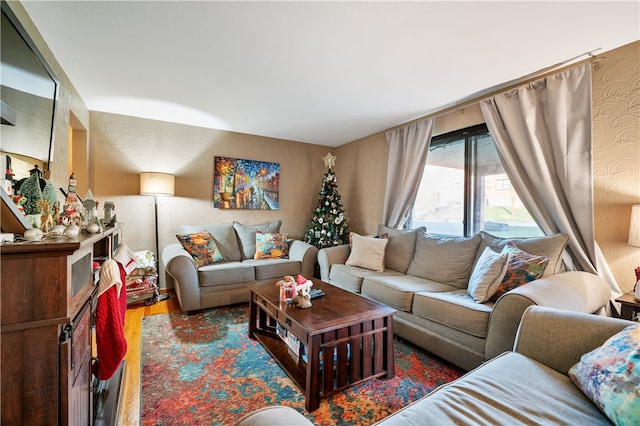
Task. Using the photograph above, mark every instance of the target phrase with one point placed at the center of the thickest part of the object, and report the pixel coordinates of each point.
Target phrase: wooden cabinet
(46, 319)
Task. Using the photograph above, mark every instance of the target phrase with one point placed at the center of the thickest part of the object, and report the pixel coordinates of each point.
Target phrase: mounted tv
(28, 93)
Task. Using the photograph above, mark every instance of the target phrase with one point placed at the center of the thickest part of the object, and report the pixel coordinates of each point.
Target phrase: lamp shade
(155, 183)
(634, 227)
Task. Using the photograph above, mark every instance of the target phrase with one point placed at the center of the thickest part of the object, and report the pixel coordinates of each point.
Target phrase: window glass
(464, 190)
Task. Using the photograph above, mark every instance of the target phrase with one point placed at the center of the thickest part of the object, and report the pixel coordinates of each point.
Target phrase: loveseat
(231, 263)
(530, 385)
(427, 279)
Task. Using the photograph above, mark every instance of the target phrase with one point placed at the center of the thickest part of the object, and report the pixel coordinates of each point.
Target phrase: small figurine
(46, 220)
(303, 299)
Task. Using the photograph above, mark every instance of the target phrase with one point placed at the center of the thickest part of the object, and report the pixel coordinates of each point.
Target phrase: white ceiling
(316, 72)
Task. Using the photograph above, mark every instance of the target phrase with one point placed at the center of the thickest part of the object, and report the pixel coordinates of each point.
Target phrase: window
(465, 189)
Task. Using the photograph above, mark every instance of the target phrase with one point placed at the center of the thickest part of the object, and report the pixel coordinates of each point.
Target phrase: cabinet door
(76, 372)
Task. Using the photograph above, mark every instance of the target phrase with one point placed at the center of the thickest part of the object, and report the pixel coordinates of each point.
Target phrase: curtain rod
(503, 87)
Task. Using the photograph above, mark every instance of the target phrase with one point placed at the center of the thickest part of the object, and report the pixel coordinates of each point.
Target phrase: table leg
(389, 355)
(626, 312)
(312, 386)
(252, 317)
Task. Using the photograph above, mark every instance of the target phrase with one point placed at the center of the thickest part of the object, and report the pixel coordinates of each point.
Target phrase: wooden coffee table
(344, 338)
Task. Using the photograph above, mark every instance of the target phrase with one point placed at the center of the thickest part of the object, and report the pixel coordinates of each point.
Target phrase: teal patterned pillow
(610, 376)
(202, 247)
(522, 268)
(271, 246)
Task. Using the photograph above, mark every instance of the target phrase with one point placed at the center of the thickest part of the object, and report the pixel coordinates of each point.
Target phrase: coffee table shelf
(347, 338)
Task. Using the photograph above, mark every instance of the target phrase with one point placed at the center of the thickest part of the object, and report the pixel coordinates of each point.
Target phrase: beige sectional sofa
(426, 279)
(225, 283)
(527, 386)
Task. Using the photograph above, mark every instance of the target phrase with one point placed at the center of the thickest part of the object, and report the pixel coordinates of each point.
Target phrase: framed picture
(11, 218)
(245, 184)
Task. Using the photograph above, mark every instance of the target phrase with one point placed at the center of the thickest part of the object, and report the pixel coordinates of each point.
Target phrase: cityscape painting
(245, 184)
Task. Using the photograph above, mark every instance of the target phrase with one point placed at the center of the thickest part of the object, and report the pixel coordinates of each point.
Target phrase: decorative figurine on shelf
(46, 219)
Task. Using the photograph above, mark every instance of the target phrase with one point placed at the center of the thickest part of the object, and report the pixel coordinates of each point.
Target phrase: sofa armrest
(558, 338)
(306, 254)
(330, 256)
(575, 291)
(273, 416)
(179, 264)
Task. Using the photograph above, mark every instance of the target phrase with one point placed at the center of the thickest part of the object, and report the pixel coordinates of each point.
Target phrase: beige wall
(121, 147)
(616, 160)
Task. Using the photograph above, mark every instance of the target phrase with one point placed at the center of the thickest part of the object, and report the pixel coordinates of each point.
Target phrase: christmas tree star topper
(329, 160)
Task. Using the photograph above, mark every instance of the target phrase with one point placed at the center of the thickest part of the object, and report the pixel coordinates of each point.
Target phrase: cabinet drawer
(294, 327)
(265, 305)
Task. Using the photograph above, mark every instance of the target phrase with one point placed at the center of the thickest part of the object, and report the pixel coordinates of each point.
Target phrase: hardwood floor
(129, 414)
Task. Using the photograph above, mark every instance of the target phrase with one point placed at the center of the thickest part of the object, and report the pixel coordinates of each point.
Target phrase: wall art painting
(245, 184)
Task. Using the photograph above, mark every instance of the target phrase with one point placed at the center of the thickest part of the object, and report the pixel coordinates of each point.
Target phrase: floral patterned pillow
(610, 376)
(522, 268)
(202, 247)
(271, 246)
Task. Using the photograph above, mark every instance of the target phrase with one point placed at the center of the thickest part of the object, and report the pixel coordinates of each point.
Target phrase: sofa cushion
(487, 275)
(446, 260)
(350, 277)
(225, 273)
(400, 248)
(201, 246)
(503, 392)
(550, 247)
(247, 236)
(397, 291)
(367, 252)
(274, 268)
(455, 309)
(271, 246)
(522, 267)
(224, 236)
(610, 376)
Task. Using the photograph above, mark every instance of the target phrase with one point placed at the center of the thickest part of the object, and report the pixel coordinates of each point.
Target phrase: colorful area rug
(204, 370)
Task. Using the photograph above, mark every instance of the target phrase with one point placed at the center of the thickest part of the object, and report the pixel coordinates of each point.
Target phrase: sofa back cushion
(247, 236)
(400, 248)
(550, 247)
(224, 236)
(446, 260)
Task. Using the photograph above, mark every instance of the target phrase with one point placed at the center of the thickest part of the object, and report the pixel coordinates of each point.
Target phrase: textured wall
(616, 157)
(123, 146)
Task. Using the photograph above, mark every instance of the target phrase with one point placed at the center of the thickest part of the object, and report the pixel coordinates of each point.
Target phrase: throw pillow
(401, 247)
(225, 236)
(522, 267)
(271, 246)
(487, 275)
(247, 236)
(367, 252)
(610, 376)
(201, 246)
(551, 247)
(446, 260)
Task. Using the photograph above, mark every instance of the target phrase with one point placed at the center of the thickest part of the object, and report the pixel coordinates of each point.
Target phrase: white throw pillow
(487, 275)
(367, 252)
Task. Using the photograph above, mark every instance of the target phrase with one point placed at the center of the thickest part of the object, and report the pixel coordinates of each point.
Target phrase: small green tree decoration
(328, 225)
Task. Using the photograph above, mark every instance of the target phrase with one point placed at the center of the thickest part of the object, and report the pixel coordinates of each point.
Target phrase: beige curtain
(542, 132)
(408, 147)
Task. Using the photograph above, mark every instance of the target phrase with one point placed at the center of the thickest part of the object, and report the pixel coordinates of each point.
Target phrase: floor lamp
(155, 183)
